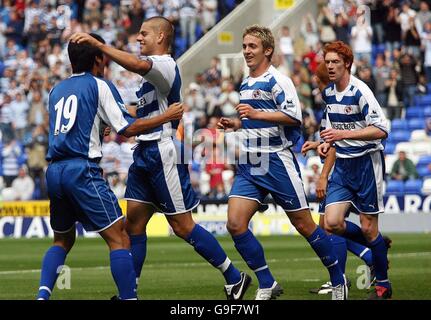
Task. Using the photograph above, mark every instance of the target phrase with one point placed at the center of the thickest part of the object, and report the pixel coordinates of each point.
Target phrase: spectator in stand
(406, 13)
(209, 14)
(111, 154)
(228, 99)
(195, 100)
(409, 78)
(394, 93)
(366, 75)
(381, 72)
(325, 20)
(426, 43)
(136, 15)
(20, 109)
(403, 168)
(6, 118)
(126, 159)
(362, 35)
(188, 19)
(23, 185)
(341, 27)
(36, 150)
(412, 41)
(423, 16)
(11, 159)
(286, 47)
(393, 38)
(309, 31)
(312, 179)
(117, 185)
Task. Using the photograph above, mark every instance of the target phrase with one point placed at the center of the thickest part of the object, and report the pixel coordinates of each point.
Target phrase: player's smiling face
(253, 52)
(336, 66)
(147, 38)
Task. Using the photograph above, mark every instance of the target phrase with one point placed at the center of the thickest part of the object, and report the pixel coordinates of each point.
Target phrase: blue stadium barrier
(395, 187)
(399, 124)
(413, 187)
(416, 124)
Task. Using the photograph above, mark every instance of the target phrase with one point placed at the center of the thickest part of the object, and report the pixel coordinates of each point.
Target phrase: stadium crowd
(391, 43)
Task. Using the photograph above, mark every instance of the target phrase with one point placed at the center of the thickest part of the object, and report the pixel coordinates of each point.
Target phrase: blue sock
(340, 248)
(138, 249)
(354, 233)
(360, 251)
(321, 244)
(123, 273)
(53, 259)
(380, 261)
(208, 247)
(252, 252)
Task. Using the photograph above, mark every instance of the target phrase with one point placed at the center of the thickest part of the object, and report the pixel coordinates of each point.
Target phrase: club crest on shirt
(348, 109)
(256, 94)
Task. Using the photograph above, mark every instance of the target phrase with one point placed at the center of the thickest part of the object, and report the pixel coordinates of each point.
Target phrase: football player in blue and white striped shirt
(271, 117)
(157, 181)
(79, 108)
(355, 125)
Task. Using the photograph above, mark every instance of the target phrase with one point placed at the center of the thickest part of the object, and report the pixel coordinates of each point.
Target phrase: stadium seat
(413, 186)
(389, 162)
(426, 188)
(399, 136)
(398, 124)
(390, 148)
(424, 161)
(424, 171)
(427, 112)
(423, 100)
(419, 135)
(395, 187)
(419, 148)
(414, 112)
(416, 124)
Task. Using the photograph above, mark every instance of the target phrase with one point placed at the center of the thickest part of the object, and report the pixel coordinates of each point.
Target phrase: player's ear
(268, 52)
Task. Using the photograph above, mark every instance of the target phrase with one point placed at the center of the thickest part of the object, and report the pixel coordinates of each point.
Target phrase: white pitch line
(197, 264)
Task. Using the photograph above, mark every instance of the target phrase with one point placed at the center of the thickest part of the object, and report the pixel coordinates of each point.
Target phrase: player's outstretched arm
(125, 59)
(278, 117)
(369, 133)
(174, 112)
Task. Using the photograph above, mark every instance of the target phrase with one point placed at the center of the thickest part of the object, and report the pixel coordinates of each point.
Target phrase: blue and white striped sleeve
(372, 111)
(111, 107)
(285, 97)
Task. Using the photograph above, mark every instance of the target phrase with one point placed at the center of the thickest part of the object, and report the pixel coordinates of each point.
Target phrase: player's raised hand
(246, 111)
(175, 111)
(84, 38)
(323, 149)
(332, 135)
(309, 145)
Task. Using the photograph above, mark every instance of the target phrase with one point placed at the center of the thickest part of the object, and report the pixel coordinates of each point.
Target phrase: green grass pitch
(174, 271)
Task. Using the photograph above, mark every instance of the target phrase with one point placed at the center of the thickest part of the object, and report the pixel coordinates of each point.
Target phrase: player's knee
(236, 228)
(180, 230)
(65, 243)
(333, 227)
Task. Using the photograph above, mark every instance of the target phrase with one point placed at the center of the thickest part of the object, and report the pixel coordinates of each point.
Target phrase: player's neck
(342, 84)
(259, 70)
